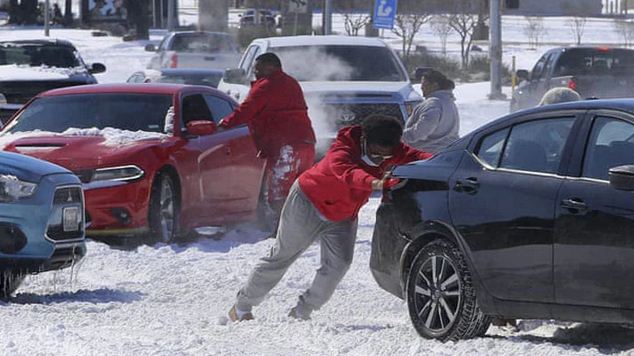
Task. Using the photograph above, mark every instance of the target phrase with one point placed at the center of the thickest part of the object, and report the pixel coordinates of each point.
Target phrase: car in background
(594, 72)
(528, 217)
(42, 225)
(150, 159)
(195, 76)
(247, 18)
(344, 79)
(195, 49)
(29, 67)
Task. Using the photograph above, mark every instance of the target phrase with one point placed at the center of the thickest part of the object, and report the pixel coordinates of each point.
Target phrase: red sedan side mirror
(201, 127)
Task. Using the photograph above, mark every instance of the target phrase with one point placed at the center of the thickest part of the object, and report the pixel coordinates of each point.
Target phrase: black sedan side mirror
(97, 68)
(622, 177)
(522, 74)
(150, 48)
(235, 76)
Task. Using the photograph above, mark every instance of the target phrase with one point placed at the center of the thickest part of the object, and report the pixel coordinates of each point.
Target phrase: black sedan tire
(9, 282)
(440, 296)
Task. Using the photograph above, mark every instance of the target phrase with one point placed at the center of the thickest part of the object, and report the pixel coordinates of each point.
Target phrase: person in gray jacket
(435, 123)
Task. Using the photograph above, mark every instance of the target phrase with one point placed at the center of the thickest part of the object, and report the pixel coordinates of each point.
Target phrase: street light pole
(495, 50)
(327, 17)
(170, 15)
(47, 18)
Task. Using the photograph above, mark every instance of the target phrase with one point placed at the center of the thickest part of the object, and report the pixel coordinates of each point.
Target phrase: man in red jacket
(323, 204)
(277, 116)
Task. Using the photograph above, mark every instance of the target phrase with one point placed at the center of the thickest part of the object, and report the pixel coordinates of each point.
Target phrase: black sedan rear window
(134, 112)
(38, 55)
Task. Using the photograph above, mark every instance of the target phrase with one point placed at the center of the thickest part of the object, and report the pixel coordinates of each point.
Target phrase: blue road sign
(384, 13)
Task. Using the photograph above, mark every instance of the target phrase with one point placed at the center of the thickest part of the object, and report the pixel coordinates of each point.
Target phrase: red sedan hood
(74, 152)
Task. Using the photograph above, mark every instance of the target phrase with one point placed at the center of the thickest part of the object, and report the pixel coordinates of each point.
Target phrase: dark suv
(600, 72)
(28, 68)
(531, 216)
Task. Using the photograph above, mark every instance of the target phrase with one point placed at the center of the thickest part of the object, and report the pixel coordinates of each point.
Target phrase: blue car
(42, 224)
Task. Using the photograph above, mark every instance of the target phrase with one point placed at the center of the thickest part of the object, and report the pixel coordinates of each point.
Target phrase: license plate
(71, 218)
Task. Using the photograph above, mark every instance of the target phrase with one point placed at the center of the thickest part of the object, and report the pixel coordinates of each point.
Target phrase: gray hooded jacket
(434, 124)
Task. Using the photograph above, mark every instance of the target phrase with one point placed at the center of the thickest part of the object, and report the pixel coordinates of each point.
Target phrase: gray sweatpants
(300, 225)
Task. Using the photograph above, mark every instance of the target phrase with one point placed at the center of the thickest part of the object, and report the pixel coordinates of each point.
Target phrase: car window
(539, 68)
(163, 45)
(611, 144)
(548, 65)
(220, 108)
(248, 58)
(36, 55)
(537, 146)
(125, 111)
(341, 63)
(491, 146)
(595, 61)
(249, 71)
(195, 108)
(203, 42)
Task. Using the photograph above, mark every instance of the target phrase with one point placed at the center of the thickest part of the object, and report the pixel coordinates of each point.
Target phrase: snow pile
(112, 136)
(115, 137)
(24, 72)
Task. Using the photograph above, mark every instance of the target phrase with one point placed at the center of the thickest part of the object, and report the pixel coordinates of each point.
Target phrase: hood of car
(354, 90)
(28, 73)
(27, 168)
(78, 152)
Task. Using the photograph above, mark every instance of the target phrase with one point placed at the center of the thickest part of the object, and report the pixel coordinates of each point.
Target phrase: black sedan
(531, 216)
(29, 67)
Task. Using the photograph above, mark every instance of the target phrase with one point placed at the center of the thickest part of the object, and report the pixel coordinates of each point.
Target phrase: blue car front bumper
(33, 235)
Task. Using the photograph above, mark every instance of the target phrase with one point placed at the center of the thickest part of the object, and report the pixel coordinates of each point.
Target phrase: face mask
(371, 160)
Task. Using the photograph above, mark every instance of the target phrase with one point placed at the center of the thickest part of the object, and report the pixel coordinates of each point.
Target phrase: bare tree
(464, 24)
(441, 26)
(534, 30)
(577, 25)
(625, 29)
(354, 23)
(406, 27)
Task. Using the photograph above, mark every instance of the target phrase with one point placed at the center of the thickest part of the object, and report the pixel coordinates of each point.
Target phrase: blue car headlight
(13, 189)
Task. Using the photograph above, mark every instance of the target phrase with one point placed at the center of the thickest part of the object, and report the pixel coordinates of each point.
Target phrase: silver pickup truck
(344, 79)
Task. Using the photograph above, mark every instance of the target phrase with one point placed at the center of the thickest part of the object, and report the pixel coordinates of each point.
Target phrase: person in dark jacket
(277, 116)
(435, 123)
(323, 205)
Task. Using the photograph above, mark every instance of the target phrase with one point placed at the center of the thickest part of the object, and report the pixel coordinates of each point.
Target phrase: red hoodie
(276, 113)
(341, 183)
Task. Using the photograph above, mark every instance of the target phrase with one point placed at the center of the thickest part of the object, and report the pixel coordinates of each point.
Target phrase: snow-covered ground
(170, 299)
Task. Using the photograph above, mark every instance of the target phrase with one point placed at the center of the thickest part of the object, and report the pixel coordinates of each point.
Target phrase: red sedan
(149, 156)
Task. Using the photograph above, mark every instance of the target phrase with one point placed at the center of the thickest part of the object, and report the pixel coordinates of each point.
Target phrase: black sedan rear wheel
(440, 296)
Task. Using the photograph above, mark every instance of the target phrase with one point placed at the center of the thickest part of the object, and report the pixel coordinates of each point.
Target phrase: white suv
(344, 79)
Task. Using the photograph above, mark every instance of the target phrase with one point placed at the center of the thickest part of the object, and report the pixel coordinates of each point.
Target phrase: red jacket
(341, 183)
(276, 113)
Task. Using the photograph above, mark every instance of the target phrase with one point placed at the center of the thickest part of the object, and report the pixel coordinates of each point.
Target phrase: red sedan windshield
(134, 112)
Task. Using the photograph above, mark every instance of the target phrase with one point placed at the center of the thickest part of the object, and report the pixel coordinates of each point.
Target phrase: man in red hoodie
(277, 116)
(323, 204)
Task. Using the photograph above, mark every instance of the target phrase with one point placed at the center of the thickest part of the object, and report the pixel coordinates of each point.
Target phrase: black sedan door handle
(574, 204)
(469, 185)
